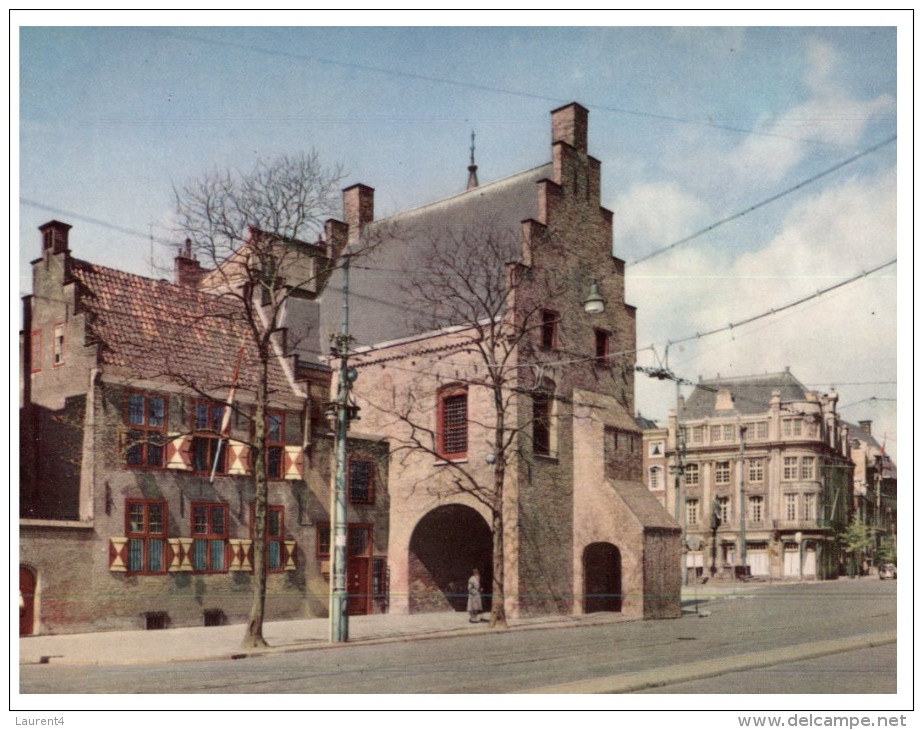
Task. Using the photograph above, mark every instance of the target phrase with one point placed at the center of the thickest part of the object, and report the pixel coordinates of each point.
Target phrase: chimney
(724, 401)
(569, 124)
(54, 236)
(358, 208)
(186, 269)
(866, 426)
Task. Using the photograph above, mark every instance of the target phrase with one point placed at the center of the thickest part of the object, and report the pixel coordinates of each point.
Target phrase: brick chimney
(186, 268)
(358, 208)
(54, 236)
(569, 125)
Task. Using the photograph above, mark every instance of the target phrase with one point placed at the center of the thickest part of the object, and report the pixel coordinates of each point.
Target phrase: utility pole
(679, 467)
(339, 615)
(743, 521)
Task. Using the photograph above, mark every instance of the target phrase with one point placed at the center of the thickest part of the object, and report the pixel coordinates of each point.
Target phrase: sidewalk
(223, 642)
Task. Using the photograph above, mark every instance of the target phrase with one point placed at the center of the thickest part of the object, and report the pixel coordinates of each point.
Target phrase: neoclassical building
(766, 477)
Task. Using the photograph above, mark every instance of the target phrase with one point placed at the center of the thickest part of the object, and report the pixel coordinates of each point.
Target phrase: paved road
(783, 615)
(865, 671)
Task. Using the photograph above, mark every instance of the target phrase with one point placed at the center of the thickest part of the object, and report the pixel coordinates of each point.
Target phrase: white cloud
(652, 215)
(846, 336)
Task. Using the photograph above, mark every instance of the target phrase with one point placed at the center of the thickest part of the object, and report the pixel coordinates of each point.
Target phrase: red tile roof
(154, 329)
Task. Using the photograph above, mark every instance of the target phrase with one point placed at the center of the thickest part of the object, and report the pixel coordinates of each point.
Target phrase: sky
(793, 115)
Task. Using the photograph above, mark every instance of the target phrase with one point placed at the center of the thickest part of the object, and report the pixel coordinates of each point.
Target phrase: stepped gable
(154, 329)
(751, 394)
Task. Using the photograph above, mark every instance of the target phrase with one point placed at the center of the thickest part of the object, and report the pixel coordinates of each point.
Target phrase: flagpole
(226, 416)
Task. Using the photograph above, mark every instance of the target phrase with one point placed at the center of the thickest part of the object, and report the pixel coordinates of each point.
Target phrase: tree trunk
(497, 607)
(253, 638)
(498, 594)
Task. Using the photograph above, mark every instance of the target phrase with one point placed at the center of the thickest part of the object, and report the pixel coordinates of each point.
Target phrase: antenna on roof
(472, 168)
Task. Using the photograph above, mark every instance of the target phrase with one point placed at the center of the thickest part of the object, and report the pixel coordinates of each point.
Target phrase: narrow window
(654, 478)
(58, 352)
(144, 528)
(756, 509)
(724, 510)
(791, 507)
(549, 329)
(602, 347)
(692, 475)
(361, 481)
(723, 472)
(275, 534)
(452, 424)
(692, 511)
(209, 537)
(756, 471)
(807, 467)
(323, 540)
(36, 341)
(206, 426)
(790, 468)
(275, 444)
(541, 423)
(145, 417)
(809, 504)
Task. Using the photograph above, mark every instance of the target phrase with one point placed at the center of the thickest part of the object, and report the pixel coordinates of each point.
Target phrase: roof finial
(472, 168)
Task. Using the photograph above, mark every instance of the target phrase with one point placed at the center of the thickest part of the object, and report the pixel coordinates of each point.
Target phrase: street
(865, 671)
(516, 661)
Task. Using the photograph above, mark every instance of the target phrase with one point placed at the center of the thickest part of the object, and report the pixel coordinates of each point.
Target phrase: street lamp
(339, 615)
(594, 303)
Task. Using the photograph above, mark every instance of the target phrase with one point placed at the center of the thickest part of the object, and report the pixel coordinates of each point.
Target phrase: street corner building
(137, 483)
(764, 476)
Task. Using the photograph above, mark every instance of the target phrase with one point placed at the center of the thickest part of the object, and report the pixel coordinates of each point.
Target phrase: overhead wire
(767, 201)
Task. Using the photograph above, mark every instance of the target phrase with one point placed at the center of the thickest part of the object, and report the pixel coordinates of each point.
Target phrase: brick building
(124, 380)
(134, 511)
(582, 532)
(769, 450)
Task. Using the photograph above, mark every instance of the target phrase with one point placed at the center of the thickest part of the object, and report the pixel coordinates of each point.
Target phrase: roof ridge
(479, 190)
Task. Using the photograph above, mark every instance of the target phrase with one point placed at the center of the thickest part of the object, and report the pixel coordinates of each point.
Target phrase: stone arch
(602, 578)
(445, 545)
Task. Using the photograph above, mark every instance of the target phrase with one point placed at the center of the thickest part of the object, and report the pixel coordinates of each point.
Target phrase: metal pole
(679, 492)
(743, 522)
(339, 616)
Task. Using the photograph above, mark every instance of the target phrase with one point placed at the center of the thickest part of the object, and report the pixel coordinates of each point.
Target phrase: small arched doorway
(602, 578)
(27, 584)
(445, 545)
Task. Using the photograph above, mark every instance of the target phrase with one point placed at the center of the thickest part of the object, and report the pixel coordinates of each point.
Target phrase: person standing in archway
(474, 597)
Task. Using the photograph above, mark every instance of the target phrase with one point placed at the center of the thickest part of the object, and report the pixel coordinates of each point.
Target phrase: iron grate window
(455, 424)
(361, 481)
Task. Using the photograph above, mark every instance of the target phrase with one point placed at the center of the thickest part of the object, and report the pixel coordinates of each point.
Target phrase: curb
(665, 676)
(319, 644)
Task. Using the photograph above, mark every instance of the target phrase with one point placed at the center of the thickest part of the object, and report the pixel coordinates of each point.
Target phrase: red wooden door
(358, 585)
(26, 601)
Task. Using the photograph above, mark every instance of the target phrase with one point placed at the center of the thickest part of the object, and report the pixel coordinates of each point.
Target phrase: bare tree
(253, 230)
(469, 282)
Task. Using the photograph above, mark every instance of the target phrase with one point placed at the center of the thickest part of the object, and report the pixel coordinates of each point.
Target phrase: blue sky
(691, 124)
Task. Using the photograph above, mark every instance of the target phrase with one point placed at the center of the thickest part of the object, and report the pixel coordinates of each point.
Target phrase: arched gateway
(602, 578)
(445, 545)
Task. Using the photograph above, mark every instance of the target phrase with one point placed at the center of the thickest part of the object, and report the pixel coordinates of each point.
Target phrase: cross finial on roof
(472, 168)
